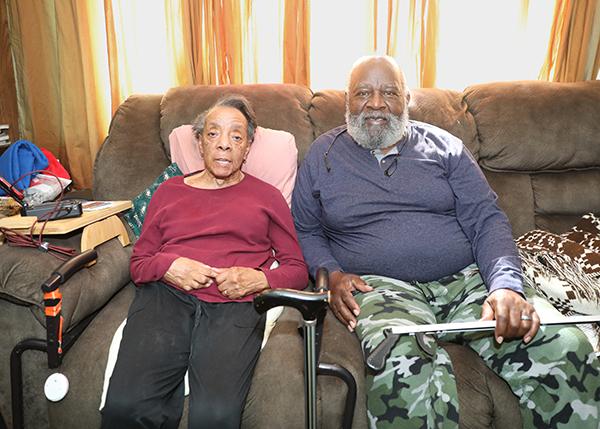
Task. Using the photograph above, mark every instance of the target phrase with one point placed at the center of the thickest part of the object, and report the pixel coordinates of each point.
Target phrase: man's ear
(407, 97)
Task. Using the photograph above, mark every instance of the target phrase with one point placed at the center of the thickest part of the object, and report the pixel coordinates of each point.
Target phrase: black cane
(311, 306)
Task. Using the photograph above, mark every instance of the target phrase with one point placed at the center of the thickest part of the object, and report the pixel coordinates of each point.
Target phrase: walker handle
(309, 304)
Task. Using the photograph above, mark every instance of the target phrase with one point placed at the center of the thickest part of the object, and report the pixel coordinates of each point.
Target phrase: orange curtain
(213, 31)
(61, 93)
(574, 46)
(116, 93)
(391, 44)
(296, 42)
(423, 21)
(75, 61)
(375, 16)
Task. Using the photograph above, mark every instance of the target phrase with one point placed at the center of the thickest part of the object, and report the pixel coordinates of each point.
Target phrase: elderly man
(411, 233)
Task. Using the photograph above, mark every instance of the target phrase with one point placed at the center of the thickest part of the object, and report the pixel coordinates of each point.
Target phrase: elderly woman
(207, 246)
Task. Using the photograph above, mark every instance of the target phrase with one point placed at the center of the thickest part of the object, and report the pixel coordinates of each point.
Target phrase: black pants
(169, 332)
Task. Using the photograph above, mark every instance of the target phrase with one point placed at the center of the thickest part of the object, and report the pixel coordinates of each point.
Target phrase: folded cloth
(20, 158)
(54, 165)
(565, 269)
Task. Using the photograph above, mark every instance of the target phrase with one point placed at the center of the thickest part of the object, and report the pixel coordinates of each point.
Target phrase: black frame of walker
(55, 345)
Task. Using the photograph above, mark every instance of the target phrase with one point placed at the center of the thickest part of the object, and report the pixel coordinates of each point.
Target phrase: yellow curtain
(391, 45)
(213, 30)
(179, 40)
(423, 20)
(76, 61)
(116, 91)
(428, 38)
(296, 42)
(574, 46)
(60, 91)
(375, 17)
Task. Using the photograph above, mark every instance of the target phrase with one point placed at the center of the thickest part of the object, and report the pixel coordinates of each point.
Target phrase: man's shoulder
(436, 136)
(427, 128)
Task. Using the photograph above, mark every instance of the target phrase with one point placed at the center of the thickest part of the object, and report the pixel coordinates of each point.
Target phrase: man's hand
(515, 317)
(237, 282)
(189, 274)
(342, 302)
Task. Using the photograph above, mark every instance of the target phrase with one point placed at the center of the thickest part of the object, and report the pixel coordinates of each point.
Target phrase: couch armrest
(22, 271)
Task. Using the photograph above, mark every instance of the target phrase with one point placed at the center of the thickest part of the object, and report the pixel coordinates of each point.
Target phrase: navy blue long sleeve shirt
(431, 215)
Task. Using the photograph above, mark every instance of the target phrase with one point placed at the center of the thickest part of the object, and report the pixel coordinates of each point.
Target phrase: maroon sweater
(239, 225)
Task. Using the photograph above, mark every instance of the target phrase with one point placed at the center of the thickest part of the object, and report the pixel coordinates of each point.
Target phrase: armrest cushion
(276, 397)
(22, 271)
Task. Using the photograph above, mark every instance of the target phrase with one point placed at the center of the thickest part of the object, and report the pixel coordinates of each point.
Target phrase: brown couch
(537, 143)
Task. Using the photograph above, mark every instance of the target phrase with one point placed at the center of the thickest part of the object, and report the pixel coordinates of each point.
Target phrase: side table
(99, 224)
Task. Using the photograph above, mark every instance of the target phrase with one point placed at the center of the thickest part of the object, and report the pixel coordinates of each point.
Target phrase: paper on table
(90, 206)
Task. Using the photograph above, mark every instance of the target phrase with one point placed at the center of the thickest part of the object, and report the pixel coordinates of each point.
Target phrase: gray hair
(236, 101)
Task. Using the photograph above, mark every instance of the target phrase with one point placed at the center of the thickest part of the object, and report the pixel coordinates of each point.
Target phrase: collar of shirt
(379, 155)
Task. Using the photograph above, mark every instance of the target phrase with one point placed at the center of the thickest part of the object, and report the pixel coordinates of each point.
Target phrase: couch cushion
(23, 270)
(277, 106)
(132, 155)
(485, 400)
(327, 110)
(515, 197)
(562, 193)
(537, 126)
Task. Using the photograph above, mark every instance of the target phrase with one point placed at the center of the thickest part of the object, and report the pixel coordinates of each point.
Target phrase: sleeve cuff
(157, 268)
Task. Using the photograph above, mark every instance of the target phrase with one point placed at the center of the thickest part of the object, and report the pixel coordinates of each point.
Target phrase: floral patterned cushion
(135, 216)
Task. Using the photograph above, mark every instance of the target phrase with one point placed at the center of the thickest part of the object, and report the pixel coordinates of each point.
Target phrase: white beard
(377, 137)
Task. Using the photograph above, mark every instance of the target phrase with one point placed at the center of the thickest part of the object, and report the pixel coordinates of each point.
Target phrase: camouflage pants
(556, 376)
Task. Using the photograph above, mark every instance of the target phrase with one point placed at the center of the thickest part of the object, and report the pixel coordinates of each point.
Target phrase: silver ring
(524, 317)
(226, 292)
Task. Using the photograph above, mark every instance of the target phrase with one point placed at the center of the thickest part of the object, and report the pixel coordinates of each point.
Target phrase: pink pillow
(273, 156)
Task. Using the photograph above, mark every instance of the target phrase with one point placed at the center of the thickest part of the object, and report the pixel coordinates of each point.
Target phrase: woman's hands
(237, 282)
(233, 282)
(189, 274)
